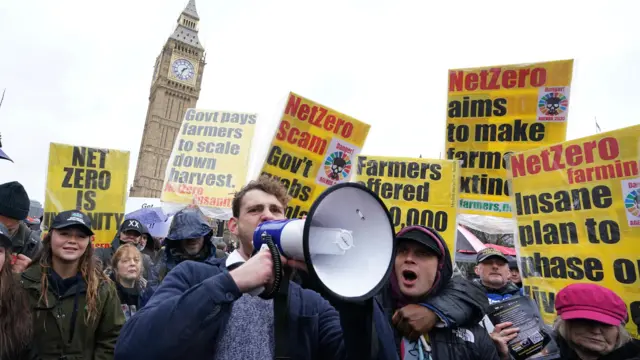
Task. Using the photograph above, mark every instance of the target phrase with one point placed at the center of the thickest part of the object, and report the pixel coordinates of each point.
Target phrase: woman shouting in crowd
(422, 270)
(15, 315)
(76, 311)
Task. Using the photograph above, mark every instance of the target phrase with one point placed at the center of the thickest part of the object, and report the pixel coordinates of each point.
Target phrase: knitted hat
(14, 201)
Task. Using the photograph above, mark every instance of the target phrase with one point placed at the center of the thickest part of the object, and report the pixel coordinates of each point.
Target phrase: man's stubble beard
(245, 242)
(494, 284)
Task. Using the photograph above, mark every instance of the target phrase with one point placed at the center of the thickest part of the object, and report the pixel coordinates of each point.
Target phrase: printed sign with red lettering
(498, 110)
(209, 160)
(577, 211)
(315, 147)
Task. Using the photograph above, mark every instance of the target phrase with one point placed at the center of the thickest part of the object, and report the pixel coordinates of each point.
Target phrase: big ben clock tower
(175, 87)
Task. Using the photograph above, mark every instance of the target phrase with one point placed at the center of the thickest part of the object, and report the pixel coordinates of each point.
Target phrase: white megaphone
(346, 241)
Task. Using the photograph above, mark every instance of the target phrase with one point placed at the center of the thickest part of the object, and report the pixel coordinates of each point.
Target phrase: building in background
(175, 87)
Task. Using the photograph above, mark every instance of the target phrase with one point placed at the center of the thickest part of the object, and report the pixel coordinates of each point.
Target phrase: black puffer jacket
(460, 300)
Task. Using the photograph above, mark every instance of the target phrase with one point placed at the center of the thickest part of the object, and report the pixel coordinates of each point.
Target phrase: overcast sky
(78, 72)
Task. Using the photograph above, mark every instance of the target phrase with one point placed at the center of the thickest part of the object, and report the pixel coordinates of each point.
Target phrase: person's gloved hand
(414, 320)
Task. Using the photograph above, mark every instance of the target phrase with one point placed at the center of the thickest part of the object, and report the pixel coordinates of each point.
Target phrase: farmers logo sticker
(337, 166)
(337, 163)
(631, 195)
(553, 103)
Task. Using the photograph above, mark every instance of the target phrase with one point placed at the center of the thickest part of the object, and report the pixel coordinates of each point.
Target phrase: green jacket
(53, 336)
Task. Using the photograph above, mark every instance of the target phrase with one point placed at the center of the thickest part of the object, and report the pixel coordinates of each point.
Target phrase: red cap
(591, 302)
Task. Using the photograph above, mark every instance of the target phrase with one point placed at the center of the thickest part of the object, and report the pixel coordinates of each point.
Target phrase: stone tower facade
(175, 87)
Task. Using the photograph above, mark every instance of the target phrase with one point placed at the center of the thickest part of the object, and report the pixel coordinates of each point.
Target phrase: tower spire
(187, 29)
(190, 10)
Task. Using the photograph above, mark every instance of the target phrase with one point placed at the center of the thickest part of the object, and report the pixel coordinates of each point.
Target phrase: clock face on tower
(183, 69)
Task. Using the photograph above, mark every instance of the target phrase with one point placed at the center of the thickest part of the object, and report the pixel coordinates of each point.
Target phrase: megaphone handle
(277, 270)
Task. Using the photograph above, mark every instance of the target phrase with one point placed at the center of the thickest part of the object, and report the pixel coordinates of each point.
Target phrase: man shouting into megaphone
(204, 310)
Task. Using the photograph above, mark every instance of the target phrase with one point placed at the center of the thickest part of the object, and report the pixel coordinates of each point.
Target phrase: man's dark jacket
(188, 313)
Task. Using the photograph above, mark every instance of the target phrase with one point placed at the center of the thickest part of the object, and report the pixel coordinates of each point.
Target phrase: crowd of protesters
(188, 298)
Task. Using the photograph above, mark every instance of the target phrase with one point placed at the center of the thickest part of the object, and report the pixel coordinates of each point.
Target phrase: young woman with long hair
(15, 316)
(76, 311)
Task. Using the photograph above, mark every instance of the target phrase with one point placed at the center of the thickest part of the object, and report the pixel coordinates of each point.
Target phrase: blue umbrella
(148, 216)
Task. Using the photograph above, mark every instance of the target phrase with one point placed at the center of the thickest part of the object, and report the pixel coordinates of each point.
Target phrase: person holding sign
(16, 328)
(78, 313)
(495, 279)
(422, 269)
(590, 324)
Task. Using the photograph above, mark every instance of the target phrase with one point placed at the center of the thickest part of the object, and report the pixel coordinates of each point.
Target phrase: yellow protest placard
(416, 191)
(314, 148)
(577, 208)
(209, 160)
(497, 110)
(91, 180)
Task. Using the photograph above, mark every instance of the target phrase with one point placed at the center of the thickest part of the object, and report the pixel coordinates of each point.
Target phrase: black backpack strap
(281, 319)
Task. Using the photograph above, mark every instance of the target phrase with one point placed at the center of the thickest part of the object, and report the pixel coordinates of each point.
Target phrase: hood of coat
(188, 224)
(444, 272)
(174, 254)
